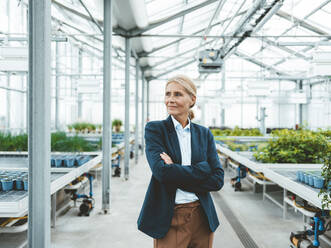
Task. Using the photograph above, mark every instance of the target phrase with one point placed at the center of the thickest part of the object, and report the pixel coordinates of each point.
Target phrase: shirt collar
(177, 125)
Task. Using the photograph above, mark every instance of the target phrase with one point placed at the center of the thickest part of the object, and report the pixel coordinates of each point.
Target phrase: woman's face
(177, 100)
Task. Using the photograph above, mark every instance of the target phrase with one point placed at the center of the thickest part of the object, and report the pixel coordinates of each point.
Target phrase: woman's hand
(166, 158)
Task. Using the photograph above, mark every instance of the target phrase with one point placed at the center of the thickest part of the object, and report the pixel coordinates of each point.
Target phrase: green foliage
(241, 147)
(59, 142)
(73, 144)
(325, 192)
(237, 132)
(290, 146)
(82, 127)
(10, 142)
(326, 132)
(116, 122)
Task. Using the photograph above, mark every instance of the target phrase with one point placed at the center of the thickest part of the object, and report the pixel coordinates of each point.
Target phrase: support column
(23, 97)
(107, 131)
(127, 109)
(148, 114)
(8, 102)
(57, 82)
(39, 123)
(241, 104)
(142, 112)
(79, 99)
(223, 78)
(136, 139)
(262, 120)
(300, 106)
(222, 117)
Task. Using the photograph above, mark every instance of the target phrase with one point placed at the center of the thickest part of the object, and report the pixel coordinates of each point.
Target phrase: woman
(178, 211)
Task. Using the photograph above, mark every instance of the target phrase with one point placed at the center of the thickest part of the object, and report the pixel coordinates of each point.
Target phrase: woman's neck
(182, 119)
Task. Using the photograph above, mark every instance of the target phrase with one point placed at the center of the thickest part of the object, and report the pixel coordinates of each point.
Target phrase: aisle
(119, 229)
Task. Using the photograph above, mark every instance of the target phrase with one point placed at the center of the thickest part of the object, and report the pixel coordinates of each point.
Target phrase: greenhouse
(165, 124)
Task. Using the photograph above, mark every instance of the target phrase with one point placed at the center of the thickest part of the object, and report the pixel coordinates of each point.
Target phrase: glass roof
(296, 21)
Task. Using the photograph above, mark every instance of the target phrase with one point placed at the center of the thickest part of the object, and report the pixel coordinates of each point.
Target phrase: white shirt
(184, 138)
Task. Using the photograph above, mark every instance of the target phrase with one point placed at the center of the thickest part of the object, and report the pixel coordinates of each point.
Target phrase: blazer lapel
(195, 151)
(174, 143)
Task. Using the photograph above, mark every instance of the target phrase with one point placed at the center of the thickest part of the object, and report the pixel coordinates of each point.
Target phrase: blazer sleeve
(216, 180)
(170, 173)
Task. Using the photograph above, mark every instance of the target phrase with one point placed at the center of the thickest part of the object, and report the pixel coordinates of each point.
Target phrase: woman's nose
(171, 99)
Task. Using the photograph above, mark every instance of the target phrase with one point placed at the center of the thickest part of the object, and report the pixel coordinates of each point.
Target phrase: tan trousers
(189, 229)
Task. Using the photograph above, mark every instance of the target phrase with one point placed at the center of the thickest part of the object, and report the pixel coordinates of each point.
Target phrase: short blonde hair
(189, 87)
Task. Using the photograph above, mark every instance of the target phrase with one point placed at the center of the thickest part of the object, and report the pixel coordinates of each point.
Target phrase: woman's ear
(193, 99)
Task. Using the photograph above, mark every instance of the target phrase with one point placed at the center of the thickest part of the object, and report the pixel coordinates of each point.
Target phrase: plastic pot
(318, 182)
(311, 180)
(7, 184)
(69, 161)
(19, 184)
(58, 161)
(299, 176)
(25, 184)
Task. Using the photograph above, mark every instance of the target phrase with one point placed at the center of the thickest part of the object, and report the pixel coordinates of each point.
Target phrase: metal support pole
(262, 119)
(8, 102)
(39, 123)
(23, 97)
(300, 106)
(222, 117)
(136, 139)
(142, 112)
(241, 103)
(106, 133)
(79, 98)
(148, 114)
(284, 204)
(223, 78)
(53, 210)
(127, 109)
(57, 86)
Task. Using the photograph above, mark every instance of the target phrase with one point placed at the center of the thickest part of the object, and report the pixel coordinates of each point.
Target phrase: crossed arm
(204, 176)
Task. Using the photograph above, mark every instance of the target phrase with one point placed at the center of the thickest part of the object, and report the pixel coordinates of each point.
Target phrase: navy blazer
(204, 175)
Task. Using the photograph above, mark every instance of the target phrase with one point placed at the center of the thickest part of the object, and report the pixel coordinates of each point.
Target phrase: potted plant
(99, 128)
(70, 128)
(117, 125)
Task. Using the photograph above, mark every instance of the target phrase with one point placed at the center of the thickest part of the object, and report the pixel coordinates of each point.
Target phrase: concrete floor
(261, 219)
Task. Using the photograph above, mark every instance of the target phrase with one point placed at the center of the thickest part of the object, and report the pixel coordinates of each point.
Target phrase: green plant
(294, 146)
(116, 122)
(10, 142)
(326, 132)
(117, 125)
(70, 127)
(236, 132)
(325, 192)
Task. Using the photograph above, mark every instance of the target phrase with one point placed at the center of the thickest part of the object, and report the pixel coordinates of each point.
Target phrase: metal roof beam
(91, 16)
(259, 63)
(117, 30)
(286, 49)
(137, 31)
(301, 22)
(180, 54)
(174, 68)
(143, 54)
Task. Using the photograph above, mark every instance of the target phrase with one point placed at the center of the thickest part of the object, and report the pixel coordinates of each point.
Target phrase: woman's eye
(177, 94)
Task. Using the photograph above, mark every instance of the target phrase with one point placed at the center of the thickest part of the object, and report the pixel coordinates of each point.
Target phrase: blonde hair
(189, 87)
